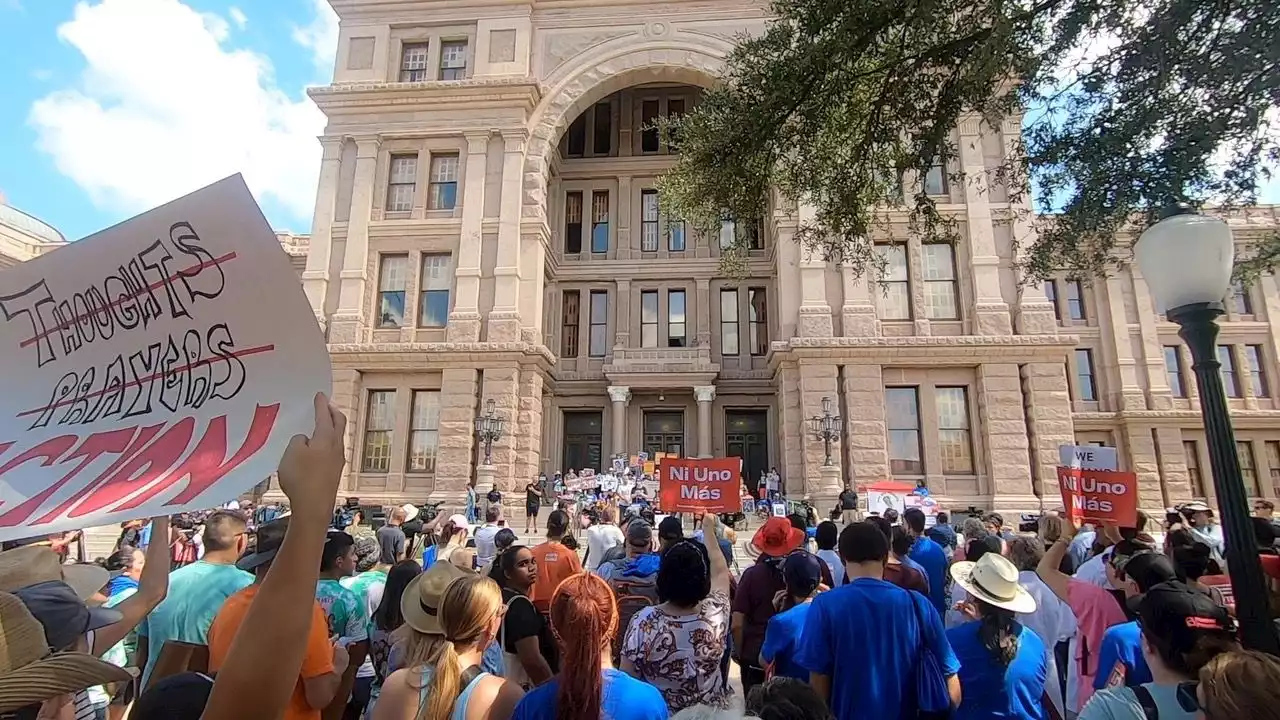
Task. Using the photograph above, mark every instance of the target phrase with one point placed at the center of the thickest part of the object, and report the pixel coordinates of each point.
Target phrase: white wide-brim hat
(994, 580)
(410, 512)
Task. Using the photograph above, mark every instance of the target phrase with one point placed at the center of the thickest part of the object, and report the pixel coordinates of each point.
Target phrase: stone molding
(704, 393)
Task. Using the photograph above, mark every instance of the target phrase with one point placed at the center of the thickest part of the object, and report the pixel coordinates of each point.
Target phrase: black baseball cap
(177, 697)
(670, 528)
(269, 539)
(802, 572)
(1149, 569)
(63, 614)
(1178, 614)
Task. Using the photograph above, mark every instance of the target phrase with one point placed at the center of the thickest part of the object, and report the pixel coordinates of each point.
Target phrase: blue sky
(110, 107)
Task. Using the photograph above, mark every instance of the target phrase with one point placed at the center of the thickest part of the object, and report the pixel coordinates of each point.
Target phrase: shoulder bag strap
(1148, 703)
(469, 676)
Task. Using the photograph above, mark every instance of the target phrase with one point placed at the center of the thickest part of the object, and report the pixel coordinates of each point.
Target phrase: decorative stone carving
(561, 47)
(704, 393)
(619, 393)
(656, 30)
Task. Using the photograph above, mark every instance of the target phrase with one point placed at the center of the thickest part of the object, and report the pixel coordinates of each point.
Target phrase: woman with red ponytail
(584, 619)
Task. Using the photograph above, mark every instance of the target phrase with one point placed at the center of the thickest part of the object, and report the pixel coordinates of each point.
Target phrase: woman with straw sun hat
(1003, 665)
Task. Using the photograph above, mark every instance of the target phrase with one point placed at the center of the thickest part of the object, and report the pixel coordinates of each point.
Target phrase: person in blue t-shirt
(1003, 664)
(802, 574)
(863, 641)
(929, 555)
(1120, 659)
(584, 618)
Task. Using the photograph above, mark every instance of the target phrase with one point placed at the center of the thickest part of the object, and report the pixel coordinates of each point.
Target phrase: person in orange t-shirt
(324, 663)
(555, 561)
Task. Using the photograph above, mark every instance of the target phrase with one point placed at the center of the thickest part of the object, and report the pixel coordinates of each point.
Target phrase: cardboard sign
(1104, 496)
(157, 366)
(1088, 457)
(686, 484)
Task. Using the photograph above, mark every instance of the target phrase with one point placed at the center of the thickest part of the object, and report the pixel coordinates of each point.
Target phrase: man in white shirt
(602, 536)
(486, 547)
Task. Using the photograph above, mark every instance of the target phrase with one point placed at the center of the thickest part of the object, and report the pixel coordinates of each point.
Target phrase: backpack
(634, 593)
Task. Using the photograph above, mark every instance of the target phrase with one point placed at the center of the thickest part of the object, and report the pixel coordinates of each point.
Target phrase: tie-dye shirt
(348, 616)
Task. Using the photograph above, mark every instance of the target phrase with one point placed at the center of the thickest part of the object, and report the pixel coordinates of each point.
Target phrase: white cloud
(321, 36)
(163, 108)
(237, 17)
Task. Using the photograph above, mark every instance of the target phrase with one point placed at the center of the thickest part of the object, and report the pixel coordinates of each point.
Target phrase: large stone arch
(686, 58)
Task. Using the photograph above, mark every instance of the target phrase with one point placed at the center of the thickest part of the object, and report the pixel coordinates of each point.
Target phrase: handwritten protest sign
(157, 366)
(686, 484)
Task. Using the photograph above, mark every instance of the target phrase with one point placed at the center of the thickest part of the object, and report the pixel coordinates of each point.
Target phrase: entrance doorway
(746, 435)
(664, 433)
(583, 433)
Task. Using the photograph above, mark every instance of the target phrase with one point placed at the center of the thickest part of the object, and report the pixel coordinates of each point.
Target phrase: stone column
(866, 430)
(990, 312)
(816, 382)
(792, 429)
(501, 385)
(1128, 392)
(1034, 314)
(702, 305)
(528, 460)
(1159, 396)
(348, 394)
(815, 311)
(464, 320)
(1176, 482)
(1049, 425)
(457, 432)
(315, 278)
(858, 314)
(349, 322)
(1141, 447)
(504, 321)
(622, 315)
(619, 395)
(704, 394)
(1002, 420)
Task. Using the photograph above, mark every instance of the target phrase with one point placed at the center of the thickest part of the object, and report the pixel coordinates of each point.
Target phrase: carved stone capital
(704, 393)
(620, 394)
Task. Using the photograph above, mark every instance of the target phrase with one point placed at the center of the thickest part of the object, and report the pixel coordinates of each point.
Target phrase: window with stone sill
(677, 334)
(649, 140)
(902, 406)
(569, 324)
(954, 437)
(393, 278)
(437, 280)
(675, 110)
(602, 128)
(1075, 300)
(1257, 371)
(649, 220)
(573, 222)
(402, 182)
(378, 427)
(895, 303)
(1051, 294)
(742, 232)
(935, 181)
(1191, 453)
(600, 221)
(413, 62)
(729, 322)
(1173, 371)
(649, 319)
(1085, 386)
(598, 339)
(424, 431)
(758, 309)
(1230, 380)
(939, 275)
(675, 235)
(1241, 301)
(1273, 465)
(443, 186)
(453, 60)
(1248, 468)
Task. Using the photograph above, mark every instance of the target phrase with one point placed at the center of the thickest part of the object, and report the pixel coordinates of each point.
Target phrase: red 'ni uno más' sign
(1104, 496)
(710, 484)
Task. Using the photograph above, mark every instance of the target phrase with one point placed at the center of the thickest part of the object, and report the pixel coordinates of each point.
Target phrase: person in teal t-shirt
(197, 591)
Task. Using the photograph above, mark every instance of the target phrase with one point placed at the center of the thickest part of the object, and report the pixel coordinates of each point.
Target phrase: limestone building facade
(24, 236)
(486, 228)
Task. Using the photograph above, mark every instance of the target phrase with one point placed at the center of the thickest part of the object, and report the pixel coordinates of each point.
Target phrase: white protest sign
(157, 366)
(1088, 457)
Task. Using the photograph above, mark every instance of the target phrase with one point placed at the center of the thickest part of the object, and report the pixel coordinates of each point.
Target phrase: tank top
(464, 697)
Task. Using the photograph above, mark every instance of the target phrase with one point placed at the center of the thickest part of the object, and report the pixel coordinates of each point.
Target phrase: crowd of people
(304, 617)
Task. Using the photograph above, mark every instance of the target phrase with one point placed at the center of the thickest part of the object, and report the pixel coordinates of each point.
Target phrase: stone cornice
(1106, 420)
(506, 92)
(437, 355)
(924, 350)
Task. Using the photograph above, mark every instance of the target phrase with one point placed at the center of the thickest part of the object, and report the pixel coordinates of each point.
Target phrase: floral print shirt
(680, 654)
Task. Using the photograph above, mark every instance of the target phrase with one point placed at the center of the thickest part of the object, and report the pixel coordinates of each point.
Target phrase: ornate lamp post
(827, 428)
(488, 430)
(1187, 260)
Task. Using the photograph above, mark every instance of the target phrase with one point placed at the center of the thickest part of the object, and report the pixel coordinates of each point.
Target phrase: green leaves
(1128, 104)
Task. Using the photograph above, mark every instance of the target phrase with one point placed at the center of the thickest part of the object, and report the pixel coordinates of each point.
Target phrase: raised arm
(266, 654)
(711, 530)
(1048, 571)
(153, 585)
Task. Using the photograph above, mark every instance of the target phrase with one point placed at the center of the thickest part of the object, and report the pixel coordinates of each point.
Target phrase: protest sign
(160, 365)
(686, 484)
(1105, 496)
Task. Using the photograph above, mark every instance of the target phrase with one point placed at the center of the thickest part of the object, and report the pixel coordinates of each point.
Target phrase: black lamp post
(1187, 260)
(489, 430)
(826, 427)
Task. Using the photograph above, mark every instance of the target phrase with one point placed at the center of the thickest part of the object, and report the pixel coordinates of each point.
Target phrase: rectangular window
(602, 126)
(576, 145)
(402, 182)
(727, 233)
(569, 324)
(889, 180)
(675, 110)
(1173, 370)
(599, 340)
(758, 309)
(939, 271)
(1194, 476)
(649, 126)
(728, 321)
(1230, 381)
(648, 220)
(573, 222)
(453, 60)
(413, 62)
(1257, 372)
(424, 431)
(1240, 300)
(953, 430)
(1084, 375)
(1248, 468)
(437, 279)
(935, 181)
(600, 221)
(378, 423)
(1075, 300)
(676, 333)
(393, 278)
(675, 235)
(1273, 465)
(1051, 293)
(443, 187)
(896, 283)
(649, 319)
(903, 407)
